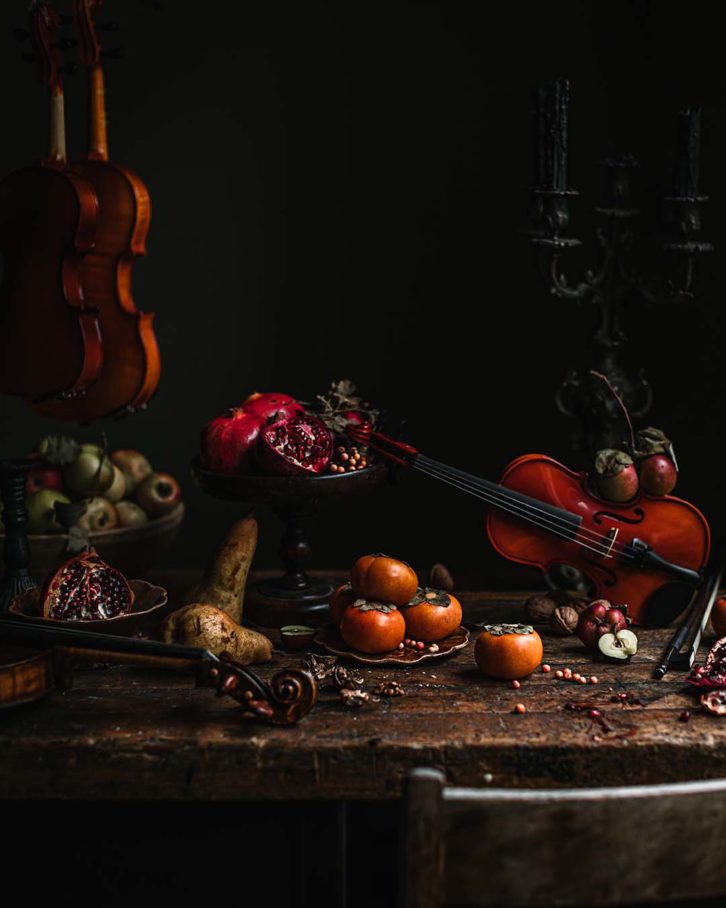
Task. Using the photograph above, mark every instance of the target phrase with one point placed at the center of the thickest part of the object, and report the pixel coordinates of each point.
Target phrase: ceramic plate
(329, 638)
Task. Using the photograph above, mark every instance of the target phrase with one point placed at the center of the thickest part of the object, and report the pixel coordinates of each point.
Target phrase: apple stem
(619, 399)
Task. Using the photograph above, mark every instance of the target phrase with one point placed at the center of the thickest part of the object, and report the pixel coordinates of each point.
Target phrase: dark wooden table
(123, 732)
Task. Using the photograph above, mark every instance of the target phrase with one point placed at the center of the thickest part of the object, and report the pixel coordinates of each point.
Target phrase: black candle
(688, 152)
(551, 109)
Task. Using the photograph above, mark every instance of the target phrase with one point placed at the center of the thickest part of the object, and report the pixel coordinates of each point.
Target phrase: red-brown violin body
(672, 527)
(132, 364)
(648, 554)
(50, 343)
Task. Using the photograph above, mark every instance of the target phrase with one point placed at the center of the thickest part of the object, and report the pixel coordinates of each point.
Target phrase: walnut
(540, 607)
(574, 598)
(354, 698)
(389, 689)
(440, 578)
(564, 620)
(341, 677)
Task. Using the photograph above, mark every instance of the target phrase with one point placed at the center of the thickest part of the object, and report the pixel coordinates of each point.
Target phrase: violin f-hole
(599, 516)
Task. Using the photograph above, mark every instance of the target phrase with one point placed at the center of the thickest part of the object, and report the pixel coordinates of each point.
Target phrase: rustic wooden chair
(586, 846)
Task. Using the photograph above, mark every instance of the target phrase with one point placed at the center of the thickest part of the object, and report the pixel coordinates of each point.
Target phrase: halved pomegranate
(86, 588)
(302, 444)
(271, 406)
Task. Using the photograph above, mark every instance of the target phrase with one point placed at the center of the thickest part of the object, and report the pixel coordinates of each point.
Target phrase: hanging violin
(50, 342)
(648, 553)
(132, 365)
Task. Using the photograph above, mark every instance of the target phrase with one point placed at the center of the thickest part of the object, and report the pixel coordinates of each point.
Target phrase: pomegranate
(131, 514)
(86, 588)
(302, 444)
(712, 674)
(272, 407)
(658, 474)
(99, 515)
(133, 465)
(228, 442)
(45, 477)
(158, 494)
(617, 478)
(600, 618)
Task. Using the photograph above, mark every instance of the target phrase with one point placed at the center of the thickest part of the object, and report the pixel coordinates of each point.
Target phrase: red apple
(599, 618)
(45, 477)
(658, 474)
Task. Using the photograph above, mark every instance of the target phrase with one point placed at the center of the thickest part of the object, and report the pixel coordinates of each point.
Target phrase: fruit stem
(619, 399)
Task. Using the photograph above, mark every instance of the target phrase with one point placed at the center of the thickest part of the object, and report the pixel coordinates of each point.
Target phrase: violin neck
(57, 125)
(525, 507)
(97, 130)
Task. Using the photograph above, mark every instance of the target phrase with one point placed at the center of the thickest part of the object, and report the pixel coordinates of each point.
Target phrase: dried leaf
(500, 630)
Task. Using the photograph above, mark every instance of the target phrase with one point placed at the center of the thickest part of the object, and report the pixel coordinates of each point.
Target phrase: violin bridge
(610, 537)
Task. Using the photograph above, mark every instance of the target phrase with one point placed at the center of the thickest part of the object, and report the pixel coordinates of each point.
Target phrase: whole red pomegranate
(45, 477)
(86, 588)
(272, 407)
(658, 474)
(617, 477)
(302, 444)
(599, 618)
(228, 442)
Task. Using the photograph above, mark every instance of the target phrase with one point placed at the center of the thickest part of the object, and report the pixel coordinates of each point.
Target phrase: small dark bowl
(151, 606)
(295, 637)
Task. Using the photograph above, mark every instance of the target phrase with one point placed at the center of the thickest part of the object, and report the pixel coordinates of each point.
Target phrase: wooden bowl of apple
(116, 502)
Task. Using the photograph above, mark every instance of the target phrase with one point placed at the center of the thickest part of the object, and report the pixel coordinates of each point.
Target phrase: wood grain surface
(128, 733)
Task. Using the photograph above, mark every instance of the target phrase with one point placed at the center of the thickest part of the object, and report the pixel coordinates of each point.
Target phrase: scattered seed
(407, 641)
(576, 676)
(559, 674)
(419, 645)
(516, 684)
(684, 716)
(345, 456)
(567, 673)
(520, 708)
(594, 680)
(488, 777)
(401, 646)
(546, 668)
(594, 713)
(581, 680)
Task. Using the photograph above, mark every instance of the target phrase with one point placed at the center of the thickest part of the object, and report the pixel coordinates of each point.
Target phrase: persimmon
(432, 615)
(372, 627)
(718, 616)
(342, 597)
(384, 579)
(508, 651)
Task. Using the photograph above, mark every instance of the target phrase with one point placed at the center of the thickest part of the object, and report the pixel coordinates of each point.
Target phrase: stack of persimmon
(383, 605)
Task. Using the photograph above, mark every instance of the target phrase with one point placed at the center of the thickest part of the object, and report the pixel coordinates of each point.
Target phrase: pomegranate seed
(546, 668)
(684, 716)
(582, 680)
(516, 684)
(419, 645)
(567, 673)
(559, 674)
(594, 713)
(594, 680)
(344, 456)
(520, 708)
(400, 646)
(576, 676)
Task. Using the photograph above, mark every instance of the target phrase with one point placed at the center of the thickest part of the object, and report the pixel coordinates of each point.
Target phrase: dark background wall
(338, 191)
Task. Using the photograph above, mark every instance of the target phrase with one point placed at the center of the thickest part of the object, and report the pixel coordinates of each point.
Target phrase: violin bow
(694, 624)
(285, 699)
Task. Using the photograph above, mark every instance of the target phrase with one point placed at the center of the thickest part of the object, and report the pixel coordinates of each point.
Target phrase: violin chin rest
(666, 604)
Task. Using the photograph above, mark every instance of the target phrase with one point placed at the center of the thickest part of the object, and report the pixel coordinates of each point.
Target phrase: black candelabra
(615, 278)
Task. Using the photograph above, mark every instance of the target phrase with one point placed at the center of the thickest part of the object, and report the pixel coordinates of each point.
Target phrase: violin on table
(50, 339)
(37, 659)
(648, 554)
(132, 364)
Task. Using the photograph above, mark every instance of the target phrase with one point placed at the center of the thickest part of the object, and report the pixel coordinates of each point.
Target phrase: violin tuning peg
(113, 53)
(21, 34)
(108, 27)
